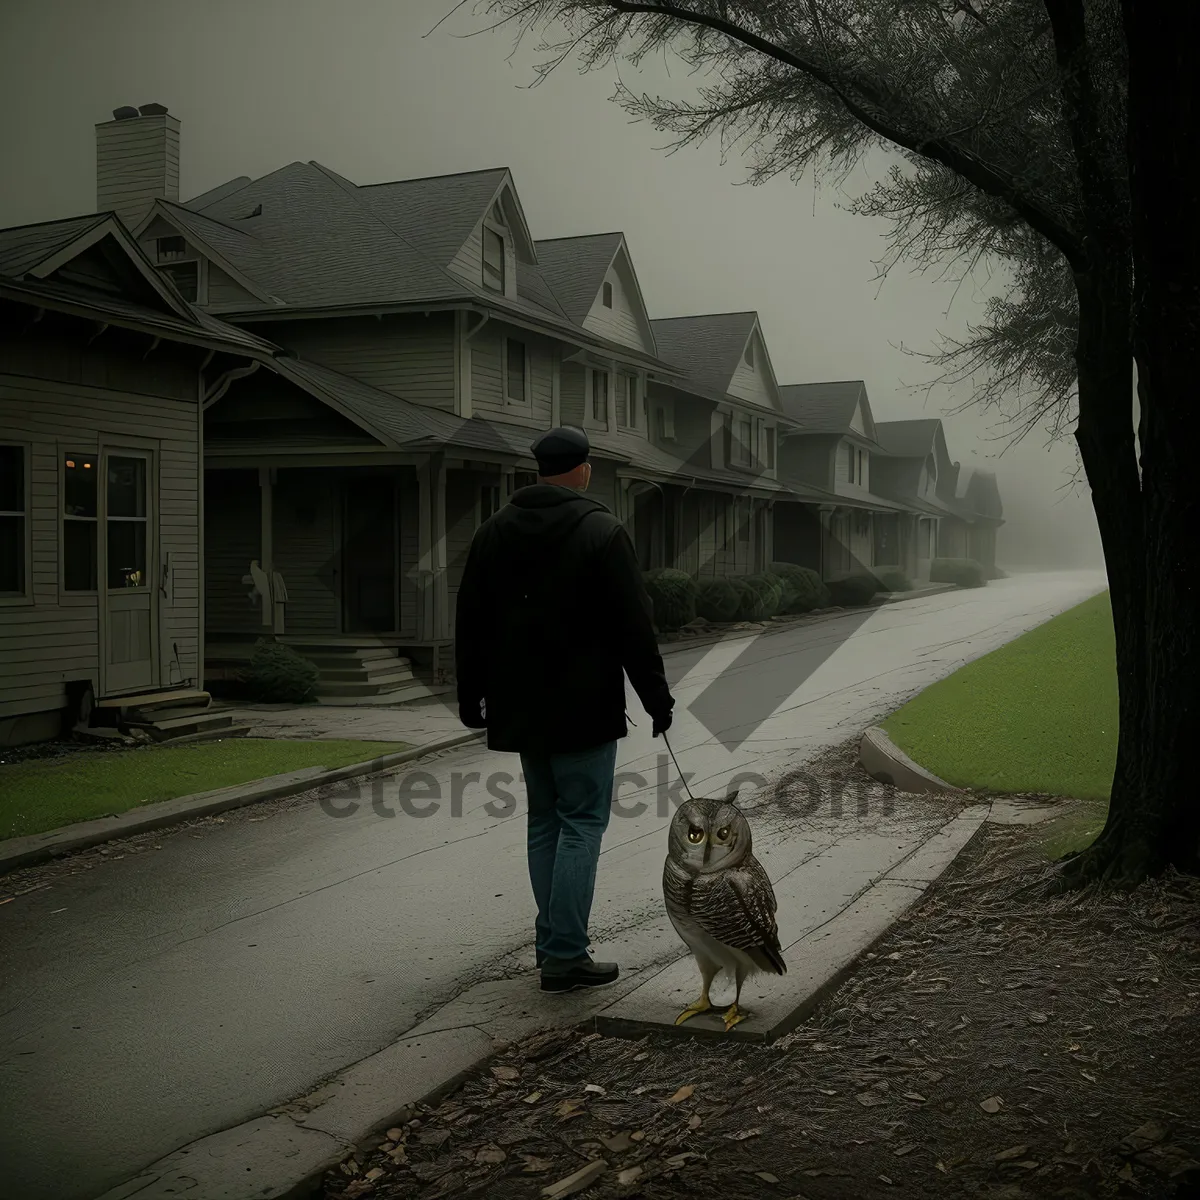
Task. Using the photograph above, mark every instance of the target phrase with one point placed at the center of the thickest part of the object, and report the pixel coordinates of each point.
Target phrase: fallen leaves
(684, 1093)
(993, 1104)
(1011, 1153)
(583, 1178)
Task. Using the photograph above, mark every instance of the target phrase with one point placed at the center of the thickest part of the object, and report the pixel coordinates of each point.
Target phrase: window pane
(79, 556)
(80, 472)
(126, 487)
(12, 556)
(516, 371)
(607, 295)
(126, 554)
(493, 260)
(600, 395)
(12, 479)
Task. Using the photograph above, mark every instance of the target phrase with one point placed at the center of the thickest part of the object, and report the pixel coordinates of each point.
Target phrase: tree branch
(982, 175)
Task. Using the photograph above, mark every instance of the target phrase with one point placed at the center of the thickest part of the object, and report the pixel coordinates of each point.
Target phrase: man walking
(551, 608)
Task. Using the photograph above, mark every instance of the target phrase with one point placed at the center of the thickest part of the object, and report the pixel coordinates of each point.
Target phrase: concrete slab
(818, 961)
(1022, 812)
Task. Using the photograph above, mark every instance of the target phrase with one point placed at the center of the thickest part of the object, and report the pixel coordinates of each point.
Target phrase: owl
(719, 899)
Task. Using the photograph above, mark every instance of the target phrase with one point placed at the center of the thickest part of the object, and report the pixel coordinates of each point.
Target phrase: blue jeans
(570, 799)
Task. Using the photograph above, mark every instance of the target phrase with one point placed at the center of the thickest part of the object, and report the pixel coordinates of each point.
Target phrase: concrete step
(367, 674)
(149, 702)
(362, 686)
(320, 652)
(414, 693)
(197, 721)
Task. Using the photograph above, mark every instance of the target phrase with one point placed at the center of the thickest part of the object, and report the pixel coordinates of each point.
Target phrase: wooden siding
(570, 395)
(305, 533)
(409, 357)
(467, 264)
(265, 409)
(225, 292)
(55, 640)
(624, 323)
(232, 539)
(137, 161)
(487, 380)
(841, 470)
(856, 421)
(753, 383)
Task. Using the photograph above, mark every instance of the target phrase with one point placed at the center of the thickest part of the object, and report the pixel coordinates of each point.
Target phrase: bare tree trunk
(1148, 528)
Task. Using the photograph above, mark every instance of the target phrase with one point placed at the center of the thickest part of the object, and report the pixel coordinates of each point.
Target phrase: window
(600, 397)
(745, 449)
(489, 501)
(498, 214)
(169, 248)
(770, 449)
(727, 441)
(515, 391)
(748, 354)
(851, 461)
(80, 518)
(125, 519)
(862, 471)
(14, 522)
(627, 401)
(931, 467)
(186, 277)
(606, 295)
(493, 260)
(523, 479)
(746, 516)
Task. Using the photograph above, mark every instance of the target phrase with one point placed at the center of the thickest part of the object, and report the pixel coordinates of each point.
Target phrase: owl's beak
(707, 850)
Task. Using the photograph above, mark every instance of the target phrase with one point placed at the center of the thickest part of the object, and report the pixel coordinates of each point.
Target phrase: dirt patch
(998, 1044)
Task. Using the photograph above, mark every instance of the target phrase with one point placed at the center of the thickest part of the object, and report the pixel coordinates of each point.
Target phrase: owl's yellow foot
(732, 1016)
(692, 1010)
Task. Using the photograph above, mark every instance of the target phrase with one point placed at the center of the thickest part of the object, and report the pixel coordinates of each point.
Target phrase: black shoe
(564, 975)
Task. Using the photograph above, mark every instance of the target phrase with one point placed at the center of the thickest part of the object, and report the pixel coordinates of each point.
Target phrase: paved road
(166, 995)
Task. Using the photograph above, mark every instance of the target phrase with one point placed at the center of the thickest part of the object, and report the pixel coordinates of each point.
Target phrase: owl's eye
(723, 834)
(695, 836)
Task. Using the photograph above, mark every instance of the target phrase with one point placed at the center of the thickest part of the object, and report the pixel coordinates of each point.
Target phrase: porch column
(266, 484)
(507, 483)
(768, 534)
(439, 576)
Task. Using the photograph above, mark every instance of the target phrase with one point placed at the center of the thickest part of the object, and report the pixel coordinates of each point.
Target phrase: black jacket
(551, 607)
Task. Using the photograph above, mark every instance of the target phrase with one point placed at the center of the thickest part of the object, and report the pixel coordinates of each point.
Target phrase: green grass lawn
(46, 794)
(1037, 715)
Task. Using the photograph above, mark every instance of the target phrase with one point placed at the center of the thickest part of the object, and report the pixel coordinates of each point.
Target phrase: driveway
(163, 996)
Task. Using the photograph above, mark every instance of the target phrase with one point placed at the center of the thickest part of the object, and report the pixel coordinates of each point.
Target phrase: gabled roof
(37, 253)
(908, 439)
(978, 493)
(827, 407)
(707, 347)
(575, 268)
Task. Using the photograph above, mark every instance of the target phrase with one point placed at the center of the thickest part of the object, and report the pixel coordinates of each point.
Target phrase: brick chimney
(137, 161)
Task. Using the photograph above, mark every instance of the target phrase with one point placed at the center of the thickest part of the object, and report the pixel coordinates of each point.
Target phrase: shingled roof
(824, 407)
(23, 247)
(706, 347)
(575, 268)
(978, 493)
(908, 439)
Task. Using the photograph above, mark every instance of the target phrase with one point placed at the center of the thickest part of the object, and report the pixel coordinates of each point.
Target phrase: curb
(822, 959)
(284, 1154)
(39, 847)
(883, 760)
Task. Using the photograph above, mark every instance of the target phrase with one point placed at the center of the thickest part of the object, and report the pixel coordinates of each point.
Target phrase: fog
(359, 87)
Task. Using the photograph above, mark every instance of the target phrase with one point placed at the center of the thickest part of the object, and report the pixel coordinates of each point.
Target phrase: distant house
(831, 450)
(105, 370)
(914, 468)
(977, 498)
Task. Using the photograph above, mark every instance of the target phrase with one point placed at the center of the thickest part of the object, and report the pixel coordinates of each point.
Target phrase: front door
(370, 549)
(128, 554)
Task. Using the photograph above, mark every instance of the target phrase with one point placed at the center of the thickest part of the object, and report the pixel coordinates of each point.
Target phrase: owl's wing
(738, 909)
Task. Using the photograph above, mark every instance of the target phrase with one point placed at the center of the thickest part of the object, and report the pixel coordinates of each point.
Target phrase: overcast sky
(358, 86)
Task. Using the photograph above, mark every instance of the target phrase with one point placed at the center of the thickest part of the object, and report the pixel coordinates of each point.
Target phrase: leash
(682, 777)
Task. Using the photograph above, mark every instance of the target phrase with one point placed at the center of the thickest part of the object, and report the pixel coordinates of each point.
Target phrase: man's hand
(660, 724)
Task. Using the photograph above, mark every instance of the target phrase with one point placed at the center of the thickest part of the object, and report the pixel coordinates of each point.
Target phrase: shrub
(277, 674)
(803, 589)
(717, 600)
(854, 590)
(892, 579)
(760, 596)
(963, 572)
(997, 573)
(674, 596)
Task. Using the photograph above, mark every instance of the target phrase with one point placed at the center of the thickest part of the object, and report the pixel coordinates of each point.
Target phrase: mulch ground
(999, 1043)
